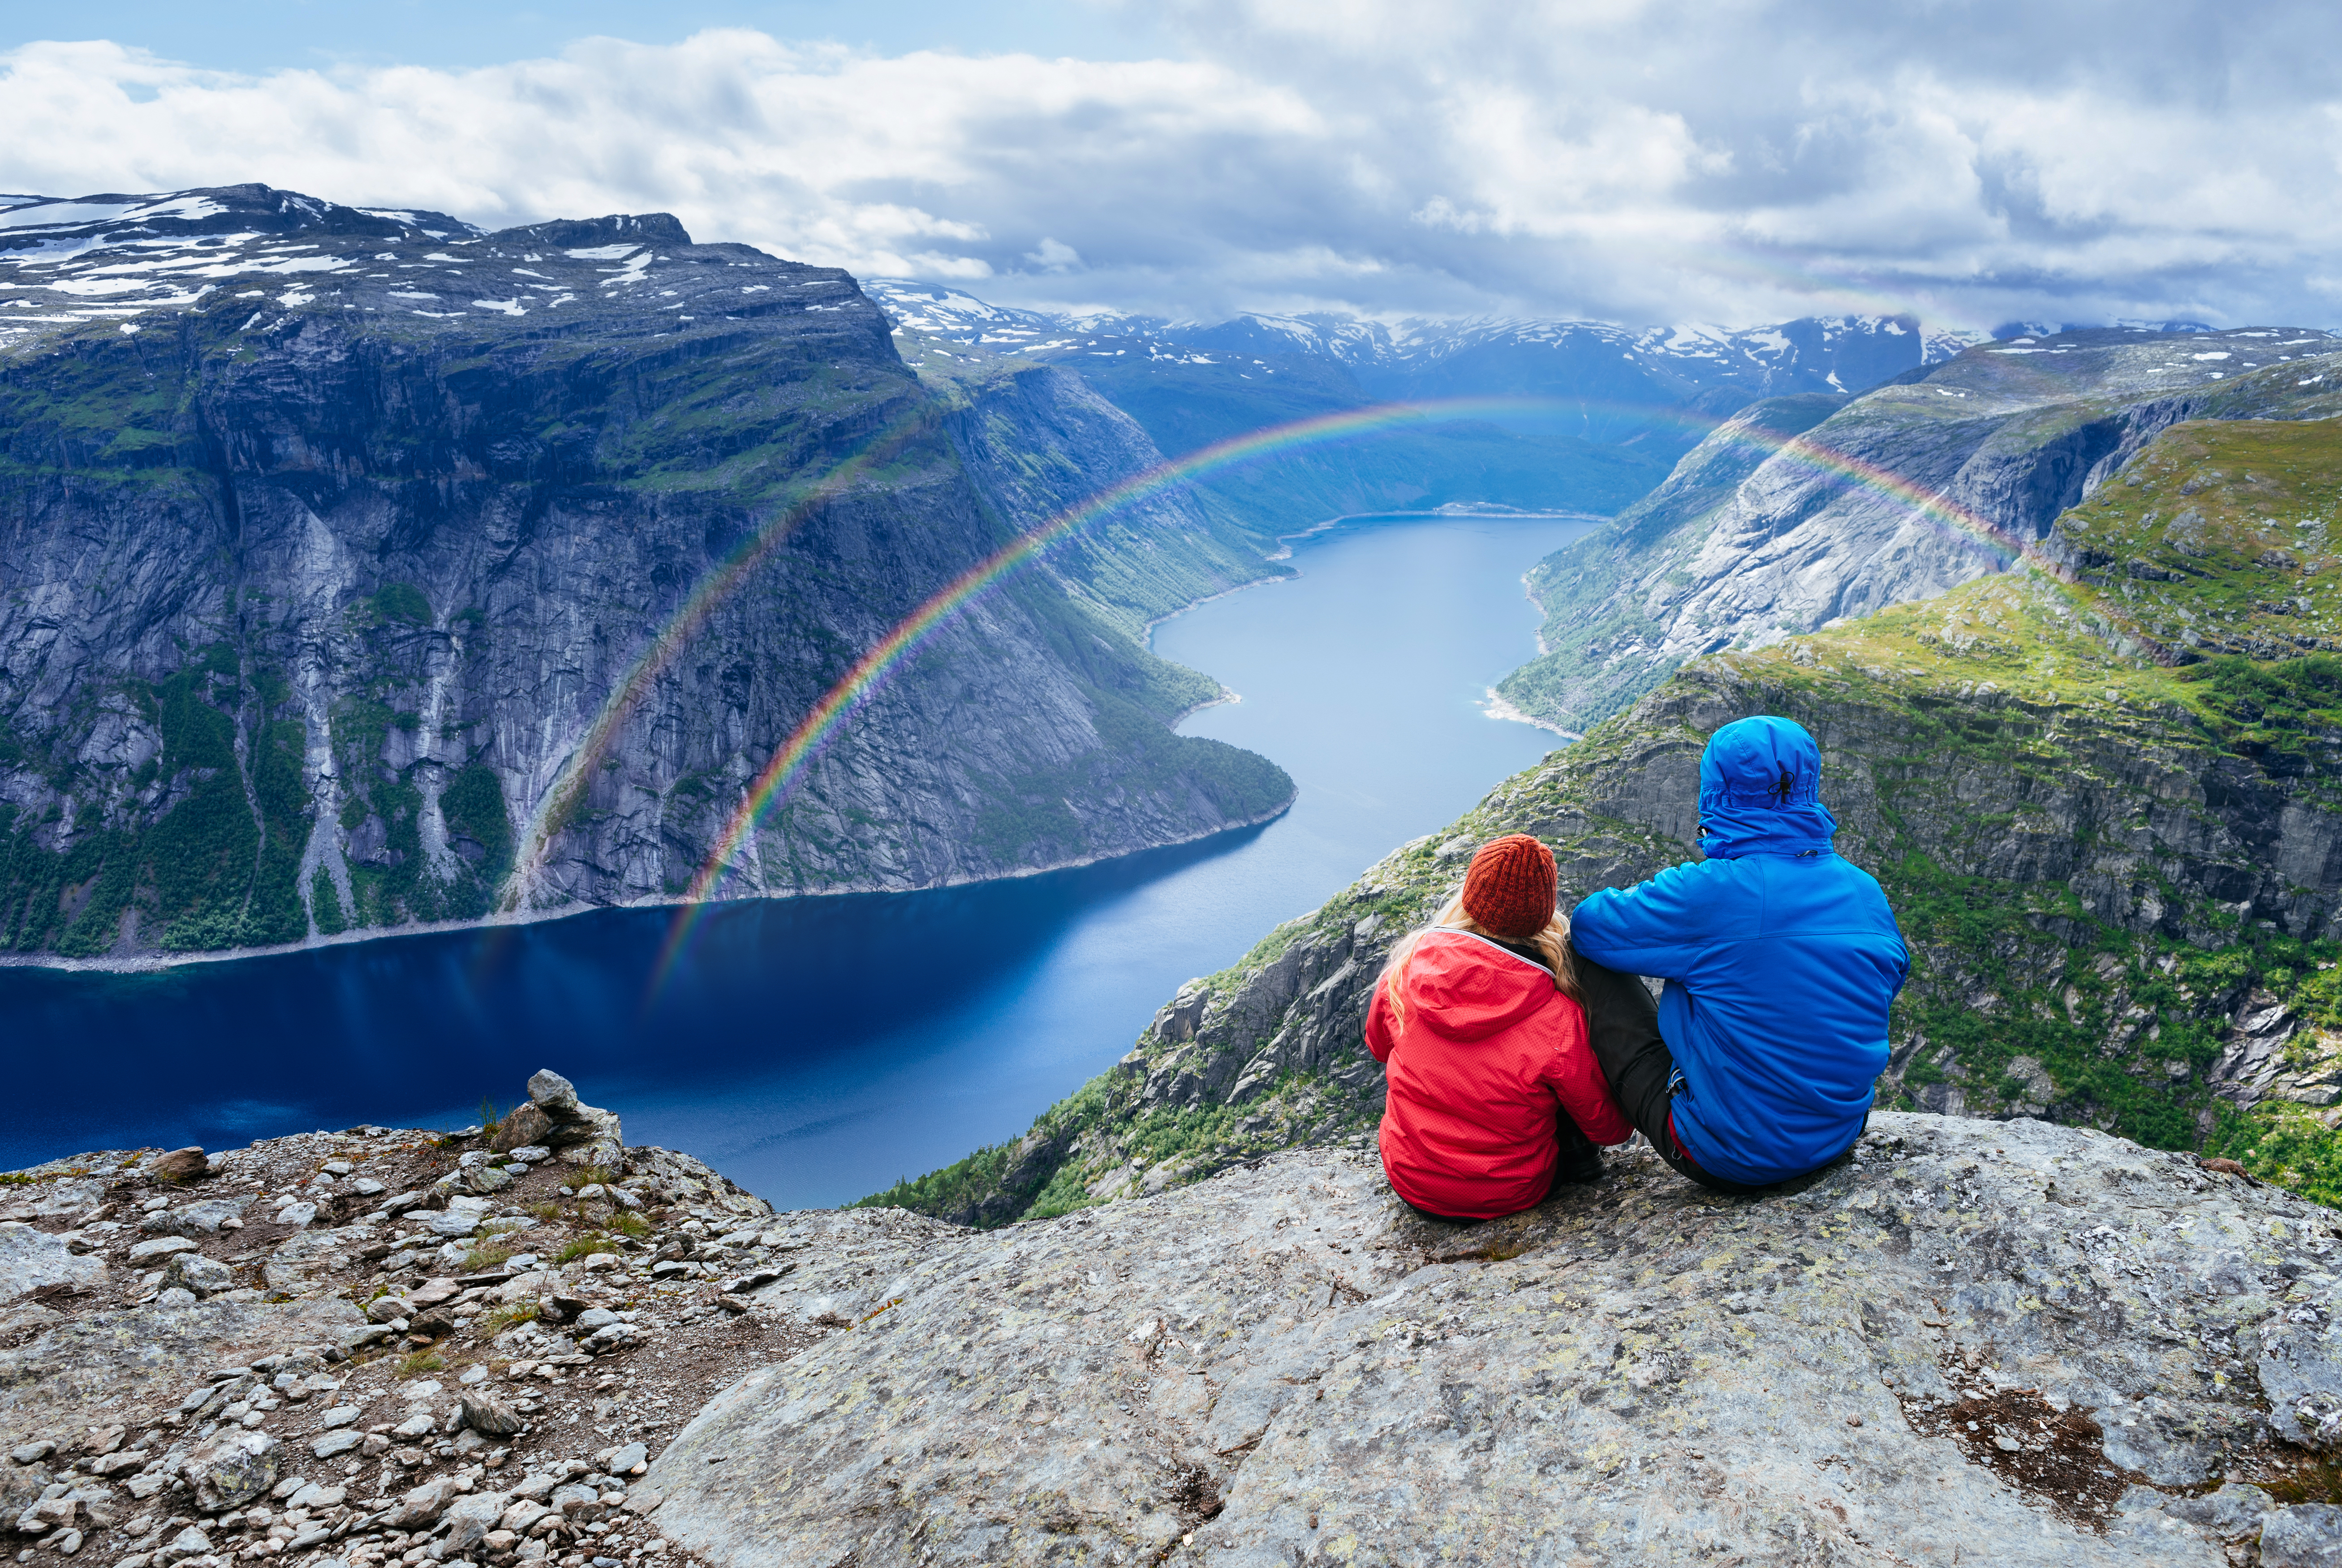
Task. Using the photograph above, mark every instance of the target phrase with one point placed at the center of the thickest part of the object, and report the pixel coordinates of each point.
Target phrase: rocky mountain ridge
(1540, 416)
(1799, 512)
(2037, 1343)
(1436, 358)
(369, 571)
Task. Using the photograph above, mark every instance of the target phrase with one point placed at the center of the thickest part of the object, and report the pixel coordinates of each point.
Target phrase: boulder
(193, 1272)
(489, 1416)
(469, 1518)
(551, 1094)
(581, 1503)
(1966, 1340)
(336, 1442)
(21, 1482)
(180, 1165)
(553, 1119)
(421, 1505)
(232, 1468)
(31, 1259)
(189, 1543)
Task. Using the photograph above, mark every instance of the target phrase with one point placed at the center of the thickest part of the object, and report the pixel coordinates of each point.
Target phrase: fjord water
(815, 1050)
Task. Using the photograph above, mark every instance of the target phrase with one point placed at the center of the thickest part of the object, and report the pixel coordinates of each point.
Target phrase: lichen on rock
(1284, 1364)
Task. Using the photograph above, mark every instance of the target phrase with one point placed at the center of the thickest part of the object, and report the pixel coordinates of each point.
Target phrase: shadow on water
(418, 1028)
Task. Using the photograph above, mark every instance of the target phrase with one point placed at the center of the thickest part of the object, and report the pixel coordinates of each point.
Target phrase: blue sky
(259, 35)
(1640, 161)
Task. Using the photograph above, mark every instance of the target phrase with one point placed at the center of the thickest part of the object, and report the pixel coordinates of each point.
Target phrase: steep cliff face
(364, 570)
(2120, 873)
(1044, 447)
(1825, 518)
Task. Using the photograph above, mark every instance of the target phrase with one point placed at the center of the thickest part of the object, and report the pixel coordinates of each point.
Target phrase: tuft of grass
(590, 1176)
(481, 1259)
(583, 1246)
(548, 1211)
(490, 1118)
(17, 1178)
(421, 1362)
(494, 1322)
(629, 1223)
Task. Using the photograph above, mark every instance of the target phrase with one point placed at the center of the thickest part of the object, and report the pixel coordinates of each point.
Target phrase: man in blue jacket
(1780, 961)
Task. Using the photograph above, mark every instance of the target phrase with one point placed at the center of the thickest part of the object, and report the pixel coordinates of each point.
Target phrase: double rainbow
(568, 786)
(859, 684)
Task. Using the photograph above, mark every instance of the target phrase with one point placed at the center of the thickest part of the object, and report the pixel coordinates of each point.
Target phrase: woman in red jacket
(1494, 1096)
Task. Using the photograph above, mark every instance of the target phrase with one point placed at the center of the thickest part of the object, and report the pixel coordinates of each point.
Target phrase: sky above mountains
(1741, 161)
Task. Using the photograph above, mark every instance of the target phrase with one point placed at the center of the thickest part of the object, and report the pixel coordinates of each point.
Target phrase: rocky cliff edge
(1971, 1342)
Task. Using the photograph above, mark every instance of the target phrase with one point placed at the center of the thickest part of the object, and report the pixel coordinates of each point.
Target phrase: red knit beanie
(1509, 892)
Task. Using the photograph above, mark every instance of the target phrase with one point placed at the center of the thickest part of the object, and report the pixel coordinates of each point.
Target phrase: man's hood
(1760, 784)
(1467, 988)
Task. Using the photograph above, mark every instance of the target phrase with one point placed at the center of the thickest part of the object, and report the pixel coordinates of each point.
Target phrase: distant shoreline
(159, 962)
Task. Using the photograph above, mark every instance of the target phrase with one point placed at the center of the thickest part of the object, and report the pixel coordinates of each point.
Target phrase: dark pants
(1623, 1024)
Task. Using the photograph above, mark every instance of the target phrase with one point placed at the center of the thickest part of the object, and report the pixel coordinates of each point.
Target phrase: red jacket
(1490, 1053)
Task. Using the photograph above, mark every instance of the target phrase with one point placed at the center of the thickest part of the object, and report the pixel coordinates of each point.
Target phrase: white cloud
(1974, 160)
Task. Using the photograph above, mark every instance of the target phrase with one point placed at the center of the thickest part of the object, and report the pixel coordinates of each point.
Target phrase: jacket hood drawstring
(1760, 791)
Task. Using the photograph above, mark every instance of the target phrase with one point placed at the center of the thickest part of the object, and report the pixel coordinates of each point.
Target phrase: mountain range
(1532, 415)
(1801, 511)
(366, 570)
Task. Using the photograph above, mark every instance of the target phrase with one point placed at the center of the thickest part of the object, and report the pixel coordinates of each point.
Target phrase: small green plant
(590, 1177)
(631, 1224)
(481, 1259)
(17, 1178)
(490, 1118)
(421, 1362)
(585, 1246)
(495, 1323)
(546, 1212)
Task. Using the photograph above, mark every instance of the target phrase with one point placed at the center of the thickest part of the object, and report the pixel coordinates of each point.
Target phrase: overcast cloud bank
(1970, 163)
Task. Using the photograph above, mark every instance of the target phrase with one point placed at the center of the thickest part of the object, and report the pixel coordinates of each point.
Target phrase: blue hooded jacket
(1780, 961)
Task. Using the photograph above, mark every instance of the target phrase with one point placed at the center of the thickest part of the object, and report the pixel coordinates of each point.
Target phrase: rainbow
(568, 786)
(860, 683)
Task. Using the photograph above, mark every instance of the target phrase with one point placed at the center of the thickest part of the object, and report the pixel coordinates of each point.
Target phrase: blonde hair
(1553, 942)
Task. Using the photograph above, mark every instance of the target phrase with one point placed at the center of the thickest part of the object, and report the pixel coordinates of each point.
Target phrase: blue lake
(816, 1050)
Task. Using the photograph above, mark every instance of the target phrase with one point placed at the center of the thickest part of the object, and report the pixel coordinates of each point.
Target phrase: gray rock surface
(30, 1259)
(71, 1376)
(1285, 1365)
(2308, 1535)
